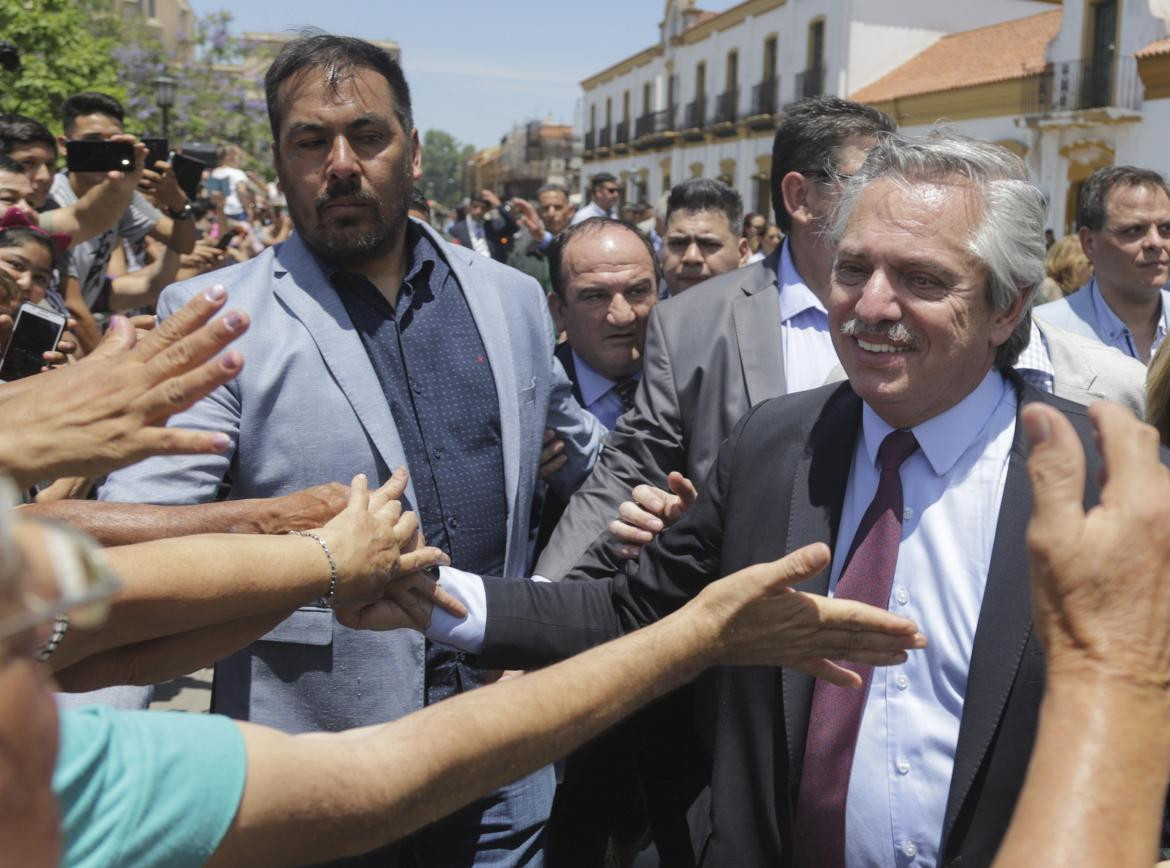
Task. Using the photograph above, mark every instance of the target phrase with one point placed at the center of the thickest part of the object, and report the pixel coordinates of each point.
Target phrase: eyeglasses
(613, 191)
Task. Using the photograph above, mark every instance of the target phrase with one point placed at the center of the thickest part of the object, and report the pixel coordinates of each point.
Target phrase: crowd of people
(581, 533)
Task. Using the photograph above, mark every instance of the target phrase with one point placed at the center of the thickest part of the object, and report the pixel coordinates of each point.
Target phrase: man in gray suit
(1123, 215)
(735, 340)
(376, 344)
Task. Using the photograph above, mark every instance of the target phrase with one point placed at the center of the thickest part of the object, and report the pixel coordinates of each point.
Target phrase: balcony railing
(766, 97)
(603, 139)
(1077, 85)
(696, 113)
(653, 123)
(810, 82)
(622, 133)
(726, 106)
(590, 138)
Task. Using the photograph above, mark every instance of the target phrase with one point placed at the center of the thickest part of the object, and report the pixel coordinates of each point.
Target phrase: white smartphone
(35, 332)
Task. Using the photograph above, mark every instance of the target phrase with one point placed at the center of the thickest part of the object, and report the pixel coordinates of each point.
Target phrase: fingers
(441, 597)
(793, 568)
(627, 534)
(359, 493)
(195, 348)
(391, 490)
(181, 441)
(185, 321)
(683, 487)
(176, 394)
(639, 518)
(405, 527)
(422, 558)
(550, 467)
(120, 336)
(1056, 468)
(650, 498)
(827, 670)
(851, 616)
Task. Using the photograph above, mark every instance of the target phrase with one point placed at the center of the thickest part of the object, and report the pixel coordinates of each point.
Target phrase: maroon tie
(819, 832)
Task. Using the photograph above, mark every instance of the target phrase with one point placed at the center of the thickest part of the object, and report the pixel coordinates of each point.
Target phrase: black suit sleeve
(534, 623)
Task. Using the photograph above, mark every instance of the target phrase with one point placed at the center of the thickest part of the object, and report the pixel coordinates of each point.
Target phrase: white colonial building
(1084, 85)
(705, 98)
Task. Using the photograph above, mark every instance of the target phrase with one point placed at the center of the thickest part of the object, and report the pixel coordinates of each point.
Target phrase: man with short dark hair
(541, 224)
(700, 237)
(489, 228)
(604, 194)
(378, 344)
(1123, 219)
(754, 225)
(30, 143)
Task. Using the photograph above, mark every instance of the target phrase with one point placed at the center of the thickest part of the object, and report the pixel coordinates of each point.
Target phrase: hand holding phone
(86, 155)
(35, 333)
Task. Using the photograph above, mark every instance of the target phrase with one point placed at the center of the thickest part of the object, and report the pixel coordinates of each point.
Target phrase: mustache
(350, 191)
(894, 332)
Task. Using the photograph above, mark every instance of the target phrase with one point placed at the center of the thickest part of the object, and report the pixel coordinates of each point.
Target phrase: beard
(353, 240)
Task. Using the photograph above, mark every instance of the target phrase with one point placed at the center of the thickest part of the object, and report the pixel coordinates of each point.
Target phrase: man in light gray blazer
(374, 344)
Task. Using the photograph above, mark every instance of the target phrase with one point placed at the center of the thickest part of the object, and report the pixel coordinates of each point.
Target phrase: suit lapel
(565, 354)
(818, 492)
(304, 288)
(1005, 624)
(756, 315)
(487, 310)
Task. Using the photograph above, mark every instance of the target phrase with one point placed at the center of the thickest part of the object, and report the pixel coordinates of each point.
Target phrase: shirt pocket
(309, 625)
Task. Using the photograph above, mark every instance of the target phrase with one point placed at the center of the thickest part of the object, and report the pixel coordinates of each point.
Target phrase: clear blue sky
(477, 68)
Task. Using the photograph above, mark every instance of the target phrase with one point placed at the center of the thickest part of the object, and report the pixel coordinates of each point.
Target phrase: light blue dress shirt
(1117, 333)
(952, 488)
(808, 350)
(598, 393)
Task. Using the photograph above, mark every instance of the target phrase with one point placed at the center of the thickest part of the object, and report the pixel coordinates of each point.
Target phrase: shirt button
(910, 849)
(902, 681)
(908, 513)
(902, 765)
(902, 596)
(453, 521)
(437, 455)
(417, 388)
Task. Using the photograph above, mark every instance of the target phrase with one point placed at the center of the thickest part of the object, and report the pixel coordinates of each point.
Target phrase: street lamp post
(164, 96)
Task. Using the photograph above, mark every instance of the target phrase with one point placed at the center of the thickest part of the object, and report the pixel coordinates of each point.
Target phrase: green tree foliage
(220, 94)
(443, 161)
(65, 48)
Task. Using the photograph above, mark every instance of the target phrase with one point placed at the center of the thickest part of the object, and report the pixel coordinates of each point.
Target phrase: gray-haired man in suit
(376, 344)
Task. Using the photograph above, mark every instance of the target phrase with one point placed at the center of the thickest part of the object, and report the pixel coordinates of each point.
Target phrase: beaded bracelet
(327, 600)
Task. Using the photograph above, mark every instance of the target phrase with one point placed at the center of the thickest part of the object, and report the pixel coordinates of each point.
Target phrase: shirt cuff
(464, 634)
(546, 240)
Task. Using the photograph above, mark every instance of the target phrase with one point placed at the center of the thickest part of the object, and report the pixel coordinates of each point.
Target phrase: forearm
(305, 795)
(1097, 780)
(181, 237)
(141, 288)
(162, 659)
(120, 524)
(95, 212)
(177, 585)
(88, 332)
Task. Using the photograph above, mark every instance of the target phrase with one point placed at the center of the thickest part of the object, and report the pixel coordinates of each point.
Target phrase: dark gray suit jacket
(779, 483)
(711, 353)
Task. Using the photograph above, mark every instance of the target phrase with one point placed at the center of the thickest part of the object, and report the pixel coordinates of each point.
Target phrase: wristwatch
(184, 213)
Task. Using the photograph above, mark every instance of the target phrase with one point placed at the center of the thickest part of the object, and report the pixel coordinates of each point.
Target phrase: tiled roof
(998, 52)
(1161, 46)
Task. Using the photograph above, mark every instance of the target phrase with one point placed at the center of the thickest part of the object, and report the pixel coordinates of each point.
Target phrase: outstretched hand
(760, 620)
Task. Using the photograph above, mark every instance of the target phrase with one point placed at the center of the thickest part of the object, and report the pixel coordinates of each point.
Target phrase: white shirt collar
(795, 296)
(592, 384)
(945, 437)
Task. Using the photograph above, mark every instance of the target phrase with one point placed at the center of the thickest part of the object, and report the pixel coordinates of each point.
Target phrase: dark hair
(809, 136)
(748, 218)
(592, 226)
(601, 178)
(553, 188)
(706, 194)
(90, 103)
(17, 236)
(341, 57)
(7, 164)
(17, 131)
(1091, 199)
(418, 202)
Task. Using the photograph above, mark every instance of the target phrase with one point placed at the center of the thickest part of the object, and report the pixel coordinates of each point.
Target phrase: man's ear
(416, 158)
(1087, 242)
(794, 190)
(745, 250)
(1004, 323)
(554, 307)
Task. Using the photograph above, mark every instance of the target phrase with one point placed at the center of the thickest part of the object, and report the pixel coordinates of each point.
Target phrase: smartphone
(224, 240)
(36, 332)
(188, 172)
(85, 155)
(158, 150)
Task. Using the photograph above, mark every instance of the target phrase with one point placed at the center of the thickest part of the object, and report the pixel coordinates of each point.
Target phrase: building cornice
(642, 58)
